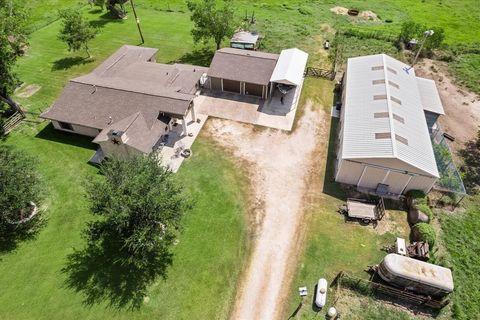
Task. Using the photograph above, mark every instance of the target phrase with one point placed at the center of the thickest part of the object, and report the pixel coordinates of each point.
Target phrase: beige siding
(216, 83)
(420, 183)
(372, 177)
(348, 172)
(120, 150)
(85, 131)
(396, 181)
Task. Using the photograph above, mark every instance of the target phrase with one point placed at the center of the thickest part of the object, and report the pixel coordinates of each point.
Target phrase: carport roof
(243, 65)
(290, 67)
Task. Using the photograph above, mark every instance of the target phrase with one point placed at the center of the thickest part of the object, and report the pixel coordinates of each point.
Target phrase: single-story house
(246, 40)
(384, 142)
(255, 73)
(129, 102)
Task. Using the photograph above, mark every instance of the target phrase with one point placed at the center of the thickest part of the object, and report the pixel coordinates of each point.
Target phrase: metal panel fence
(450, 178)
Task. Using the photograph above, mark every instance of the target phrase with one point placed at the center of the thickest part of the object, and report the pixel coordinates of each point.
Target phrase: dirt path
(462, 108)
(279, 166)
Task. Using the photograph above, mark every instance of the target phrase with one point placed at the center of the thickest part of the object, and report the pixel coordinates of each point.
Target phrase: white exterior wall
(120, 150)
(85, 131)
(369, 176)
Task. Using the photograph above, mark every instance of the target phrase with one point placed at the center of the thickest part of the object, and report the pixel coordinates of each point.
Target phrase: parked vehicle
(321, 294)
(415, 275)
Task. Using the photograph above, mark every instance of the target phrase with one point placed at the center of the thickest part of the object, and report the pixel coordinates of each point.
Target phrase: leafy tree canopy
(141, 205)
(20, 185)
(75, 32)
(412, 30)
(210, 21)
(12, 38)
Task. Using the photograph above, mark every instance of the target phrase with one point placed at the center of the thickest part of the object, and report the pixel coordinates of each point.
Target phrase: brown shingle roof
(243, 65)
(125, 84)
(138, 134)
(96, 107)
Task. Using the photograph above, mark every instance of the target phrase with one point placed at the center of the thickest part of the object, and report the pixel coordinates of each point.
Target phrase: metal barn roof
(290, 67)
(429, 95)
(383, 115)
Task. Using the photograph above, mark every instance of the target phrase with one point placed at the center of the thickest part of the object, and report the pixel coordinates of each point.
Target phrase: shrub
(419, 196)
(425, 209)
(426, 233)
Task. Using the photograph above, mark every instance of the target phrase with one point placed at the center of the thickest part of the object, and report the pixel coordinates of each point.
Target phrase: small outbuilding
(384, 140)
(256, 73)
(247, 40)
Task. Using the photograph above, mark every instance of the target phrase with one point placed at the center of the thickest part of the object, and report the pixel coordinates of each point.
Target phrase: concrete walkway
(248, 109)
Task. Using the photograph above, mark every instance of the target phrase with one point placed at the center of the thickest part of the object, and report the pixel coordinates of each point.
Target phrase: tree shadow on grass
(105, 19)
(199, 57)
(52, 134)
(68, 62)
(103, 273)
(12, 235)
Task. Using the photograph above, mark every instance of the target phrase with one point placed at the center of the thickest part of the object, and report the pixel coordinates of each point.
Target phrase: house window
(65, 126)
(375, 68)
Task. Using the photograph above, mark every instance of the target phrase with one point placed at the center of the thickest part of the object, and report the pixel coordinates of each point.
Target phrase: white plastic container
(321, 294)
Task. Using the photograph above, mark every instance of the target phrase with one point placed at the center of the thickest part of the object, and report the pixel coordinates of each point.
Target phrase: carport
(290, 68)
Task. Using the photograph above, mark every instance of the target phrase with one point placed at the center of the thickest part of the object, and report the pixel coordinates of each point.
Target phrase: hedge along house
(128, 103)
(385, 146)
(255, 73)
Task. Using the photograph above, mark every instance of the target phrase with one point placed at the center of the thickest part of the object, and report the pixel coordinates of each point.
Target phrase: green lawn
(462, 240)
(331, 244)
(207, 259)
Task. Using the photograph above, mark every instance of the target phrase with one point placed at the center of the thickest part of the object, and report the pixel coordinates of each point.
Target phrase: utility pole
(426, 34)
(138, 21)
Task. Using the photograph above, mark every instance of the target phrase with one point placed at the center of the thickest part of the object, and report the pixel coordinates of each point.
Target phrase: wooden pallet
(12, 122)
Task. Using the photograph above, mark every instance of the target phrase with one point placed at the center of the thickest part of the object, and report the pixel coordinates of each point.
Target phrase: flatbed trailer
(365, 210)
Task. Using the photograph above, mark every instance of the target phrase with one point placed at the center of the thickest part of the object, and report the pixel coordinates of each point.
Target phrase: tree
(116, 8)
(211, 22)
(97, 3)
(20, 196)
(12, 39)
(141, 205)
(75, 32)
(412, 30)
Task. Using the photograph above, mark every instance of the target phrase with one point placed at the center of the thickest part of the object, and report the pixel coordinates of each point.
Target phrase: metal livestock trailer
(415, 275)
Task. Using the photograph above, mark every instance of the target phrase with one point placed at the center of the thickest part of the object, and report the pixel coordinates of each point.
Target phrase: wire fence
(450, 178)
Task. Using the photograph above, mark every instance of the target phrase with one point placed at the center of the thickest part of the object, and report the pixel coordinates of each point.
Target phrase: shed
(384, 138)
(290, 67)
(245, 40)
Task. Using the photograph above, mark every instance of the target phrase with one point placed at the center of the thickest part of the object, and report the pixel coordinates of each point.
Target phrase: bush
(419, 196)
(426, 233)
(425, 209)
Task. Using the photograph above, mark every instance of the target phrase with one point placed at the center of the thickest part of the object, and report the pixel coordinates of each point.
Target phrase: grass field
(462, 239)
(207, 259)
(211, 251)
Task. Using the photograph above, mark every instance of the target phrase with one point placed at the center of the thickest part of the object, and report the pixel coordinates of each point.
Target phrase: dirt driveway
(279, 165)
(462, 108)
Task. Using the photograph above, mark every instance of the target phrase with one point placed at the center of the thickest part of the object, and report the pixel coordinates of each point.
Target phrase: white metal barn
(384, 138)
